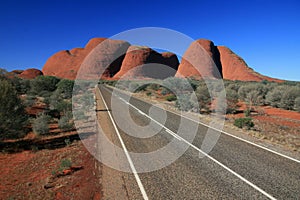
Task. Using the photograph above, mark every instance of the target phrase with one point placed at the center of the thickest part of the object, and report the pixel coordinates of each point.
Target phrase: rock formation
(143, 62)
(201, 59)
(30, 73)
(114, 59)
(65, 64)
(235, 68)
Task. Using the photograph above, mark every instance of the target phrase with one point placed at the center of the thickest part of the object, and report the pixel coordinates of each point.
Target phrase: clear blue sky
(265, 33)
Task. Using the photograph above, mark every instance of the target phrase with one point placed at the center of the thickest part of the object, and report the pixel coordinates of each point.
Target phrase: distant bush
(288, 97)
(183, 102)
(154, 86)
(171, 98)
(232, 100)
(40, 125)
(177, 84)
(203, 96)
(66, 123)
(165, 91)
(247, 112)
(274, 96)
(65, 88)
(244, 123)
(297, 104)
(43, 83)
(12, 113)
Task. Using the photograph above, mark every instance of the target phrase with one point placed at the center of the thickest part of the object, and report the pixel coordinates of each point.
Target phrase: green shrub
(43, 83)
(171, 98)
(12, 113)
(247, 112)
(244, 123)
(232, 100)
(288, 97)
(65, 88)
(40, 125)
(66, 122)
(297, 104)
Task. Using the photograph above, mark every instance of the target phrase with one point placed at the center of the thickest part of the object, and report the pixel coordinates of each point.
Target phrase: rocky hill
(120, 59)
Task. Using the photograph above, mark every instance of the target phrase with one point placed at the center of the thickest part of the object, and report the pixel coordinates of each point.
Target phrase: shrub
(43, 83)
(12, 113)
(297, 104)
(273, 97)
(65, 88)
(203, 96)
(244, 123)
(232, 100)
(165, 91)
(288, 97)
(183, 102)
(154, 86)
(177, 84)
(171, 98)
(65, 123)
(247, 112)
(40, 125)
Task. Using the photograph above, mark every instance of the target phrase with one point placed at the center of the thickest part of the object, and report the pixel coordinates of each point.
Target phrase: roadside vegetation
(33, 105)
(252, 95)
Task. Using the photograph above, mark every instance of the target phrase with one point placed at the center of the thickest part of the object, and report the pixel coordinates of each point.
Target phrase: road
(234, 169)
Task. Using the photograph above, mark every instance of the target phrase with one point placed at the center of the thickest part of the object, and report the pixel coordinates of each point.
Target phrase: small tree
(12, 114)
(40, 125)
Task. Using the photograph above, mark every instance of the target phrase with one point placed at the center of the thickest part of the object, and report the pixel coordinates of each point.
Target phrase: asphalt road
(233, 169)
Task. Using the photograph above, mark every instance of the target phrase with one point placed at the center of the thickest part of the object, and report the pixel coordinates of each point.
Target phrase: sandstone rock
(142, 62)
(104, 61)
(201, 59)
(30, 73)
(65, 64)
(235, 68)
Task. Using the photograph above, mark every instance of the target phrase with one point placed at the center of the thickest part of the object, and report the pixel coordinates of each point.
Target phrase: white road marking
(234, 136)
(137, 178)
(208, 156)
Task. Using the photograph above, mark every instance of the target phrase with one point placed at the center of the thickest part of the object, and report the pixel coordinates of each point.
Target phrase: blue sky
(265, 33)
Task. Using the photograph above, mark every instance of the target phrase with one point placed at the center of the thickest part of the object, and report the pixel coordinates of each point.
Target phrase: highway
(234, 169)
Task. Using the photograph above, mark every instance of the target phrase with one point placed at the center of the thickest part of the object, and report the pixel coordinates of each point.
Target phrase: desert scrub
(171, 98)
(40, 125)
(244, 123)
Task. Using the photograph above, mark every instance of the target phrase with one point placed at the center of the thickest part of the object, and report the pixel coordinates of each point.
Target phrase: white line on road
(208, 156)
(137, 178)
(228, 134)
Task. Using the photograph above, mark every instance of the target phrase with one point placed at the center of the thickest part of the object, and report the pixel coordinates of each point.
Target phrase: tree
(12, 114)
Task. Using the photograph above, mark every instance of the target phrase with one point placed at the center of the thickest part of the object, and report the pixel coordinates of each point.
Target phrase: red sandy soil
(24, 175)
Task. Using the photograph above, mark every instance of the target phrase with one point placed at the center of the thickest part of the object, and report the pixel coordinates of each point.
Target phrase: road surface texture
(233, 169)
